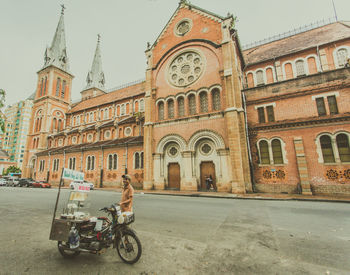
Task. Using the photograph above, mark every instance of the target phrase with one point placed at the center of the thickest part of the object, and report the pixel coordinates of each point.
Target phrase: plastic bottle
(74, 238)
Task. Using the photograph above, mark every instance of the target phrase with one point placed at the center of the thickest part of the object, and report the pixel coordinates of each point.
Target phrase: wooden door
(207, 168)
(174, 176)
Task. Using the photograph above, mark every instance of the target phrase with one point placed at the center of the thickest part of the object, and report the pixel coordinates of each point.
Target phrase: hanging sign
(69, 174)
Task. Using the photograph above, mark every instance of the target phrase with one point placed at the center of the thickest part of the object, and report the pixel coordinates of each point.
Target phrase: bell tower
(52, 99)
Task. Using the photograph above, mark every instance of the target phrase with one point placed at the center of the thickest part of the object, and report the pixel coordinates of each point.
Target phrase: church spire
(56, 55)
(95, 77)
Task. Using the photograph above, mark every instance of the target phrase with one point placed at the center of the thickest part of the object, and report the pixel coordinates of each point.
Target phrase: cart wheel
(65, 251)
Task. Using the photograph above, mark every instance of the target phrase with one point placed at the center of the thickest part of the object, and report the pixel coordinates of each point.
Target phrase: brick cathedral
(269, 118)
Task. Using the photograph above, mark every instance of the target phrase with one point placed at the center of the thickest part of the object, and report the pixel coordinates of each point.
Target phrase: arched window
(264, 152)
(277, 151)
(311, 63)
(88, 163)
(300, 68)
(288, 70)
(327, 149)
(137, 160)
(142, 105)
(58, 87)
(39, 126)
(141, 157)
(269, 76)
(71, 163)
(160, 111)
(63, 88)
(110, 162)
(181, 106)
(123, 110)
(53, 126)
(192, 104)
(59, 125)
(203, 97)
(45, 85)
(342, 55)
(170, 108)
(92, 162)
(260, 78)
(216, 99)
(250, 80)
(41, 87)
(115, 161)
(91, 119)
(343, 147)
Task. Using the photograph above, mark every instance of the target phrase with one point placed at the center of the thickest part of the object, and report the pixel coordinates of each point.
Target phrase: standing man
(127, 195)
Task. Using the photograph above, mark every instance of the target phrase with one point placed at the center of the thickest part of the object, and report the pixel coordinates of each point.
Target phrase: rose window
(186, 69)
(206, 148)
(183, 28)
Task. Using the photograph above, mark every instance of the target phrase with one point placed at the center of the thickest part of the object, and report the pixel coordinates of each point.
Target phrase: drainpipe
(319, 57)
(274, 67)
(48, 168)
(64, 164)
(101, 174)
(126, 157)
(248, 143)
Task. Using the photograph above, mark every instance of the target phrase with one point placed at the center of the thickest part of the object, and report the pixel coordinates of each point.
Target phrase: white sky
(27, 27)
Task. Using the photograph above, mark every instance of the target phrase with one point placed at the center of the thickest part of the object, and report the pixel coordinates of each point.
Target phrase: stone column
(157, 173)
(150, 96)
(210, 102)
(188, 182)
(302, 166)
(235, 123)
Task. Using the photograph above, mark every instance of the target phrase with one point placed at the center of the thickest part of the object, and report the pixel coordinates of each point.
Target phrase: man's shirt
(128, 192)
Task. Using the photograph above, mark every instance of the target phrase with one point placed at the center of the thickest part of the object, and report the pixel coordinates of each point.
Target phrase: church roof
(299, 42)
(127, 92)
(89, 146)
(96, 77)
(185, 3)
(56, 55)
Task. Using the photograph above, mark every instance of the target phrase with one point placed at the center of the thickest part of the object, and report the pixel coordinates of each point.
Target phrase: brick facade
(258, 119)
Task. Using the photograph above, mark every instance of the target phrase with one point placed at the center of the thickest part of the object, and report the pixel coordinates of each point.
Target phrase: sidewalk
(252, 196)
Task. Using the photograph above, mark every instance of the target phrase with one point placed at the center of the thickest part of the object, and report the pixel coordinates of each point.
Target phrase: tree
(2, 103)
(12, 169)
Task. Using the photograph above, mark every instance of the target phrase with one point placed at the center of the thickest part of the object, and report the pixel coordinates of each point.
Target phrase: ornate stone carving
(183, 27)
(185, 69)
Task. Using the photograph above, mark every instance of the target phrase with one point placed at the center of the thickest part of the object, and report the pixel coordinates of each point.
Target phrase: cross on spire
(63, 8)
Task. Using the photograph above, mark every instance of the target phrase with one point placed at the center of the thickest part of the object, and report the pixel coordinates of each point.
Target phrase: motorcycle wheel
(66, 252)
(127, 245)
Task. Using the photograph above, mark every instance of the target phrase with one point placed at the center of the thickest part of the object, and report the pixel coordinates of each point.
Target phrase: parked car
(12, 182)
(26, 182)
(41, 184)
(3, 182)
(77, 182)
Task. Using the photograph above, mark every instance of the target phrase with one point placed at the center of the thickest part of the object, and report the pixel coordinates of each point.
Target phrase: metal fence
(291, 33)
(126, 85)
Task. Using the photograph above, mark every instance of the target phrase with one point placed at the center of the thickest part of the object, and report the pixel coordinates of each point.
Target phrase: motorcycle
(97, 234)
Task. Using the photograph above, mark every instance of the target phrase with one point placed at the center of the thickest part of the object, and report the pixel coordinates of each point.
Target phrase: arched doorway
(32, 166)
(207, 168)
(174, 176)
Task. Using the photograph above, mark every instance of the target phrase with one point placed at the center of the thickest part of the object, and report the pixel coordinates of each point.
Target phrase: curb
(230, 196)
(251, 198)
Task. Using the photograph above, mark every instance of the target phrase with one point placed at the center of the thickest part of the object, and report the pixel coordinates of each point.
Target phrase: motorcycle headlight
(120, 219)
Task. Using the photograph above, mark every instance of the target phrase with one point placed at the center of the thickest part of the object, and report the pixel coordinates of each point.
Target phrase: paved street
(184, 235)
